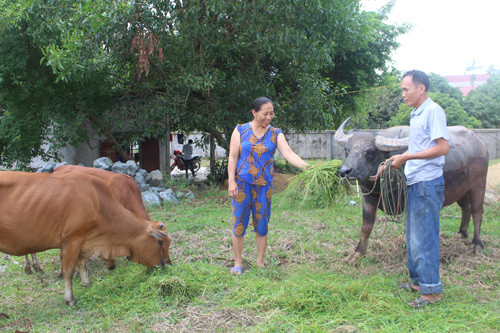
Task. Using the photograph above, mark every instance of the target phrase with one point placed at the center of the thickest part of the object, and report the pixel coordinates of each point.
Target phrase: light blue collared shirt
(427, 123)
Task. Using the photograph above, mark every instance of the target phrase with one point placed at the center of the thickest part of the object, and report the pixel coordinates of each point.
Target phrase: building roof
(467, 82)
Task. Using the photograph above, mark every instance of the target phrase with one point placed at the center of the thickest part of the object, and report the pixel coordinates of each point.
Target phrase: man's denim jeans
(425, 200)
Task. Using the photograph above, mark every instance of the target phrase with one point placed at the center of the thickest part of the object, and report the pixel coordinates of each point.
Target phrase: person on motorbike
(187, 150)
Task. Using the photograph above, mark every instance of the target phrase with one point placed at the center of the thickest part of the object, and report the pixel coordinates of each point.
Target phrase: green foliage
(382, 105)
(439, 84)
(282, 166)
(455, 114)
(360, 57)
(218, 172)
(94, 63)
(449, 98)
(484, 102)
(318, 186)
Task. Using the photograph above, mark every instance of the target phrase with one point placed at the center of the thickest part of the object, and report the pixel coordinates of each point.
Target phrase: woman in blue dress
(250, 170)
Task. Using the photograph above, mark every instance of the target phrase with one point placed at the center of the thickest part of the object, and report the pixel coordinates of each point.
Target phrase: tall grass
(305, 287)
(317, 186)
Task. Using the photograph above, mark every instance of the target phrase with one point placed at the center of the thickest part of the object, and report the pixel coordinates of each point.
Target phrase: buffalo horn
(340, 137)
(390, 144)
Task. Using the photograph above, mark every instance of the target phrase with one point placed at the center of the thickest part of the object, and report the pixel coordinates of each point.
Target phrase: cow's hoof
(477, 250)
(71, 302)
(27, 269)
(353, 258)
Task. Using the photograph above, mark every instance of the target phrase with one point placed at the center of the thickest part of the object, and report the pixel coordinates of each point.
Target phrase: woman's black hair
(259, 101)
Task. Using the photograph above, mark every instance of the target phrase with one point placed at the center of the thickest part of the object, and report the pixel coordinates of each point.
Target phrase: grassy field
(306, 286)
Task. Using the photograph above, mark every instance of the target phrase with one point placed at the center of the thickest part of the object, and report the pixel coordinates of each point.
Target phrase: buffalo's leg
(466, 208)
(477, 200)
(369, 214)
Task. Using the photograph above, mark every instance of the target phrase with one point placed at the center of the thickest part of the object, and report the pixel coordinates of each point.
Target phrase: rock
(144, 174)
(120, 167)
(156, 178)
(60, 164)
(491, 197)
(104, 163)
(48, 167)
(132, 168)
(144, 187)
(168, 196)
(151, 199)
(186, 194)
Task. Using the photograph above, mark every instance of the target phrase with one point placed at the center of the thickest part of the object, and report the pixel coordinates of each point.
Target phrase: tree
(484, 102)
(455, 114)
(198, 63)
(441, 85)
(361, 60)
(381, 105)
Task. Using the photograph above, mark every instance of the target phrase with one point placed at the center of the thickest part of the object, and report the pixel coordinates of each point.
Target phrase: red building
(467, 82)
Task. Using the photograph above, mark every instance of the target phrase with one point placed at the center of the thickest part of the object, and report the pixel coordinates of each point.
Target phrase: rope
(391, 203)
(393, 193)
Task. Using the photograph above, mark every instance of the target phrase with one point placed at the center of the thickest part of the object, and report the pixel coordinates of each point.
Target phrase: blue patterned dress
(254, 178)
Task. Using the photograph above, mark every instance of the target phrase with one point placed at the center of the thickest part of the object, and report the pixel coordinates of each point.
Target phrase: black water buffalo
(465, 170)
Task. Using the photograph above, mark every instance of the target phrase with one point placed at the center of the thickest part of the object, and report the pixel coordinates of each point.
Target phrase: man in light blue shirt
(427, 147)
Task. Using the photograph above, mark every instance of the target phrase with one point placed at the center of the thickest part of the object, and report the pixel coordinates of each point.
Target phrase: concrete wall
(310, 145)
(491, 138)
(320, 145)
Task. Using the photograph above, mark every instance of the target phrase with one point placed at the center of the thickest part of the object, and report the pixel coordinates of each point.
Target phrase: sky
(447, 35)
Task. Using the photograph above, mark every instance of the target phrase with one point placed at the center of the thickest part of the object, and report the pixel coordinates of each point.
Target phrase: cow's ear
(158, 234)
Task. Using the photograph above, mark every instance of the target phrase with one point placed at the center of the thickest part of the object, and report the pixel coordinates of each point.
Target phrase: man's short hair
(418, 77)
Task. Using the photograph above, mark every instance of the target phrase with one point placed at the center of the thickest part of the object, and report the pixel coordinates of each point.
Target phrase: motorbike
(179, 161)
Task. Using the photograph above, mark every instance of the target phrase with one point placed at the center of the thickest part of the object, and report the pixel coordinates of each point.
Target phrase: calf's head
(151, 249)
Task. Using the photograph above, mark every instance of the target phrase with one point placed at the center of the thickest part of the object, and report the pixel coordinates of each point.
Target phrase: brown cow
(124, 188)
(79, 214)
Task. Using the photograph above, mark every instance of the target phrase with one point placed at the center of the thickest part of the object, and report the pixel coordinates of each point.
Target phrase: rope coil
(393, 192)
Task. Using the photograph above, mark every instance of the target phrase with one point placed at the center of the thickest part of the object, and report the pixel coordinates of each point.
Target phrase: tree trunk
(110, 137)
(212, 156)
(167, 132)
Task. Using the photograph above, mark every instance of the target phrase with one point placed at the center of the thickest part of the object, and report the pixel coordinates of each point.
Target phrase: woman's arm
(288, 154)
(234, 154)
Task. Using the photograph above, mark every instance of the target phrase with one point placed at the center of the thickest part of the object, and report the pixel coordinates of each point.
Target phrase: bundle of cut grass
(318, 186)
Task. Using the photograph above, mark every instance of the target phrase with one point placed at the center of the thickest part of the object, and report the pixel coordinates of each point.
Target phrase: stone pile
(153, 191)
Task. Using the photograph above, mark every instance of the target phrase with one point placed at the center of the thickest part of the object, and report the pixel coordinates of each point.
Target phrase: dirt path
(493, 180)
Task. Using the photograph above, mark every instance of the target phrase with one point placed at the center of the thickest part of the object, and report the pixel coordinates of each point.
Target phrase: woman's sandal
(236, 270)
(407, 287)
(420, 302)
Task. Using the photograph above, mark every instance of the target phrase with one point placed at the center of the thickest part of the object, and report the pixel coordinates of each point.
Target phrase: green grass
(494, 161)
(305, 287)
